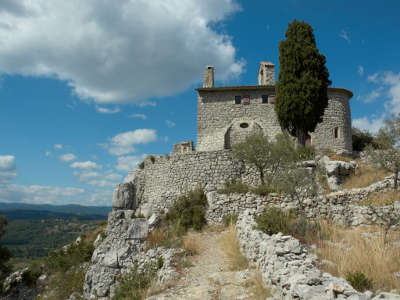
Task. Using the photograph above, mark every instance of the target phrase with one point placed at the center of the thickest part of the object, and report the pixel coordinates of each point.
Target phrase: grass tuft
(191, 244)
(364, 176)
(230, 246)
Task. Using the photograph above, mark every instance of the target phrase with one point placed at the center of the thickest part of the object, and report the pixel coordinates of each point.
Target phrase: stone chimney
(266, 73)
(209, 77)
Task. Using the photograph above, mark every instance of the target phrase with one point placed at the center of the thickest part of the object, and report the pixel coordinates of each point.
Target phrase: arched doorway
(238, 132)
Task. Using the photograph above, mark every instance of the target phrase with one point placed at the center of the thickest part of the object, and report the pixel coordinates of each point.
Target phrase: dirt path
(209, 278)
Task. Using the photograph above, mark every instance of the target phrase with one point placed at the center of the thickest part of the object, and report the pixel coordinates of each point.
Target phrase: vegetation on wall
(5, 253)
(302, 87)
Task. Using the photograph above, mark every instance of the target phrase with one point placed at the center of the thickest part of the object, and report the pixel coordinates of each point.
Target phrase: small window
(238, 99)
(264, 99)
(271, 99)
(246, 100)
(336, 132)
(244, 125)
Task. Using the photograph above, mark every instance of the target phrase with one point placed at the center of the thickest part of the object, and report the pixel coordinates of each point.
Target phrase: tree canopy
(301, 90)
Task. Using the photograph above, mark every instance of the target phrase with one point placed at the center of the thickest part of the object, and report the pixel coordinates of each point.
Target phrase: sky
(88, 88)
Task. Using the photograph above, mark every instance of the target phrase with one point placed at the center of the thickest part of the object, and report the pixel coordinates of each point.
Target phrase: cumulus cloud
(344, 35)
(375, 94)
(88, 176)
(67, 157)
(104, 110)
(123, 143)
(85, 165)
(40, 194)
(371, 124)
(8, 168)
(58, 146)
(118, 51)
(169, 123)
(138, 116)
(129, 163)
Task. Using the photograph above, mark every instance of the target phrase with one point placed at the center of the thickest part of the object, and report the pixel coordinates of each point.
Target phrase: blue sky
(88, 87)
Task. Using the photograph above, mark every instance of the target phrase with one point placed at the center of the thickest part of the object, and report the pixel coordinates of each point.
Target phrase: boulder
(336, 171)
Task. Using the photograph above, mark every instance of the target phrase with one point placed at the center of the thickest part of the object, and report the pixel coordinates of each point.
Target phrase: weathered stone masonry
(221, 121)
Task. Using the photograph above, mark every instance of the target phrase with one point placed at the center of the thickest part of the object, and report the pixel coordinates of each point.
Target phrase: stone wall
(166, 177)
(340, 207)
(286, 265)
(217, 113)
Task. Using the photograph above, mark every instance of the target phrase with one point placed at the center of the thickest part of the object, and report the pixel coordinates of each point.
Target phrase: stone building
(227, 114)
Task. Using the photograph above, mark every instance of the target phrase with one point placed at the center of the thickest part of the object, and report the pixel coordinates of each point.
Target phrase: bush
(152, 159)
(234, 186)
(141, 165)
(263, 189)
(61, 260)
(274, 220)
(189, 211)
(359, 281)
(229, 219)
(361, 139)
(305, 152)
(133, 286)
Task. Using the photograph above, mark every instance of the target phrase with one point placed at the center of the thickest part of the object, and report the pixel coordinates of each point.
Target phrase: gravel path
(209, 278)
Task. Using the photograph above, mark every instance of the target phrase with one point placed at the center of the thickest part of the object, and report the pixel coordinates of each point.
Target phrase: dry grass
(230, 247)
(381, 198)
(334, 156)
(258, 288)
(156, 238)
(364, 176)
(191, 244)
(352, 251)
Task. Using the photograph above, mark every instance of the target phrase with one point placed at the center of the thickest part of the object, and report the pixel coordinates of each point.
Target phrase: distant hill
(24, 214)
(75, 209)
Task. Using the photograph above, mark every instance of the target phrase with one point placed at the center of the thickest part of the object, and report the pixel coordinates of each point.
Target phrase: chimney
(209, 77)
(266, 73)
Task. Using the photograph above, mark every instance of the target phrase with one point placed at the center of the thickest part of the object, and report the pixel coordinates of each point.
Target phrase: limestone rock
(336, 171)
(124, 196)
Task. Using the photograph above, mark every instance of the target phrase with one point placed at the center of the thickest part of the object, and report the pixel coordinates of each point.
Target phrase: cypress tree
(302, 87)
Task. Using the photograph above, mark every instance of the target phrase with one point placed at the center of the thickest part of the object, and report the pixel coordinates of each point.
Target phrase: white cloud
(372, 96)
(67, 157)
(372, 124)
(88, 176)
(8, 169)
(123, 143)
(58, 146)
(104, 110)
(85, 165)
(129, 163)
(40, 194)
(118, 51)
(360, 70)
(138, 116)
(169, 123)
(345, 35)
(373, 78)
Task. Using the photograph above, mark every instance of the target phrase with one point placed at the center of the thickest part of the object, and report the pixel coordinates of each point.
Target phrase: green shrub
(75, 254)
(229, 219)
(152, 159)
(263, 189)
(361, 139)
(274, 220)
(305, 152)
(30, 277)
(132, 286)
(359, 281)
(234, 186)
(160, 262)
(141, 165)
(189, 211)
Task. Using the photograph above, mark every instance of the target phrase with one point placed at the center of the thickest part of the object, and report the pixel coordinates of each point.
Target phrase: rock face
(285, 264)
(15, 287)
(336, 171)
(120, 251)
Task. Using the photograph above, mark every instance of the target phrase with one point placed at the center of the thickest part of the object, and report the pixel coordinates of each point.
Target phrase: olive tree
(388, 154)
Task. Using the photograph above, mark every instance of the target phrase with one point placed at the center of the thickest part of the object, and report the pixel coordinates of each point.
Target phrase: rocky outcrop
(123, 248)
(336, 171)
(17, 286)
